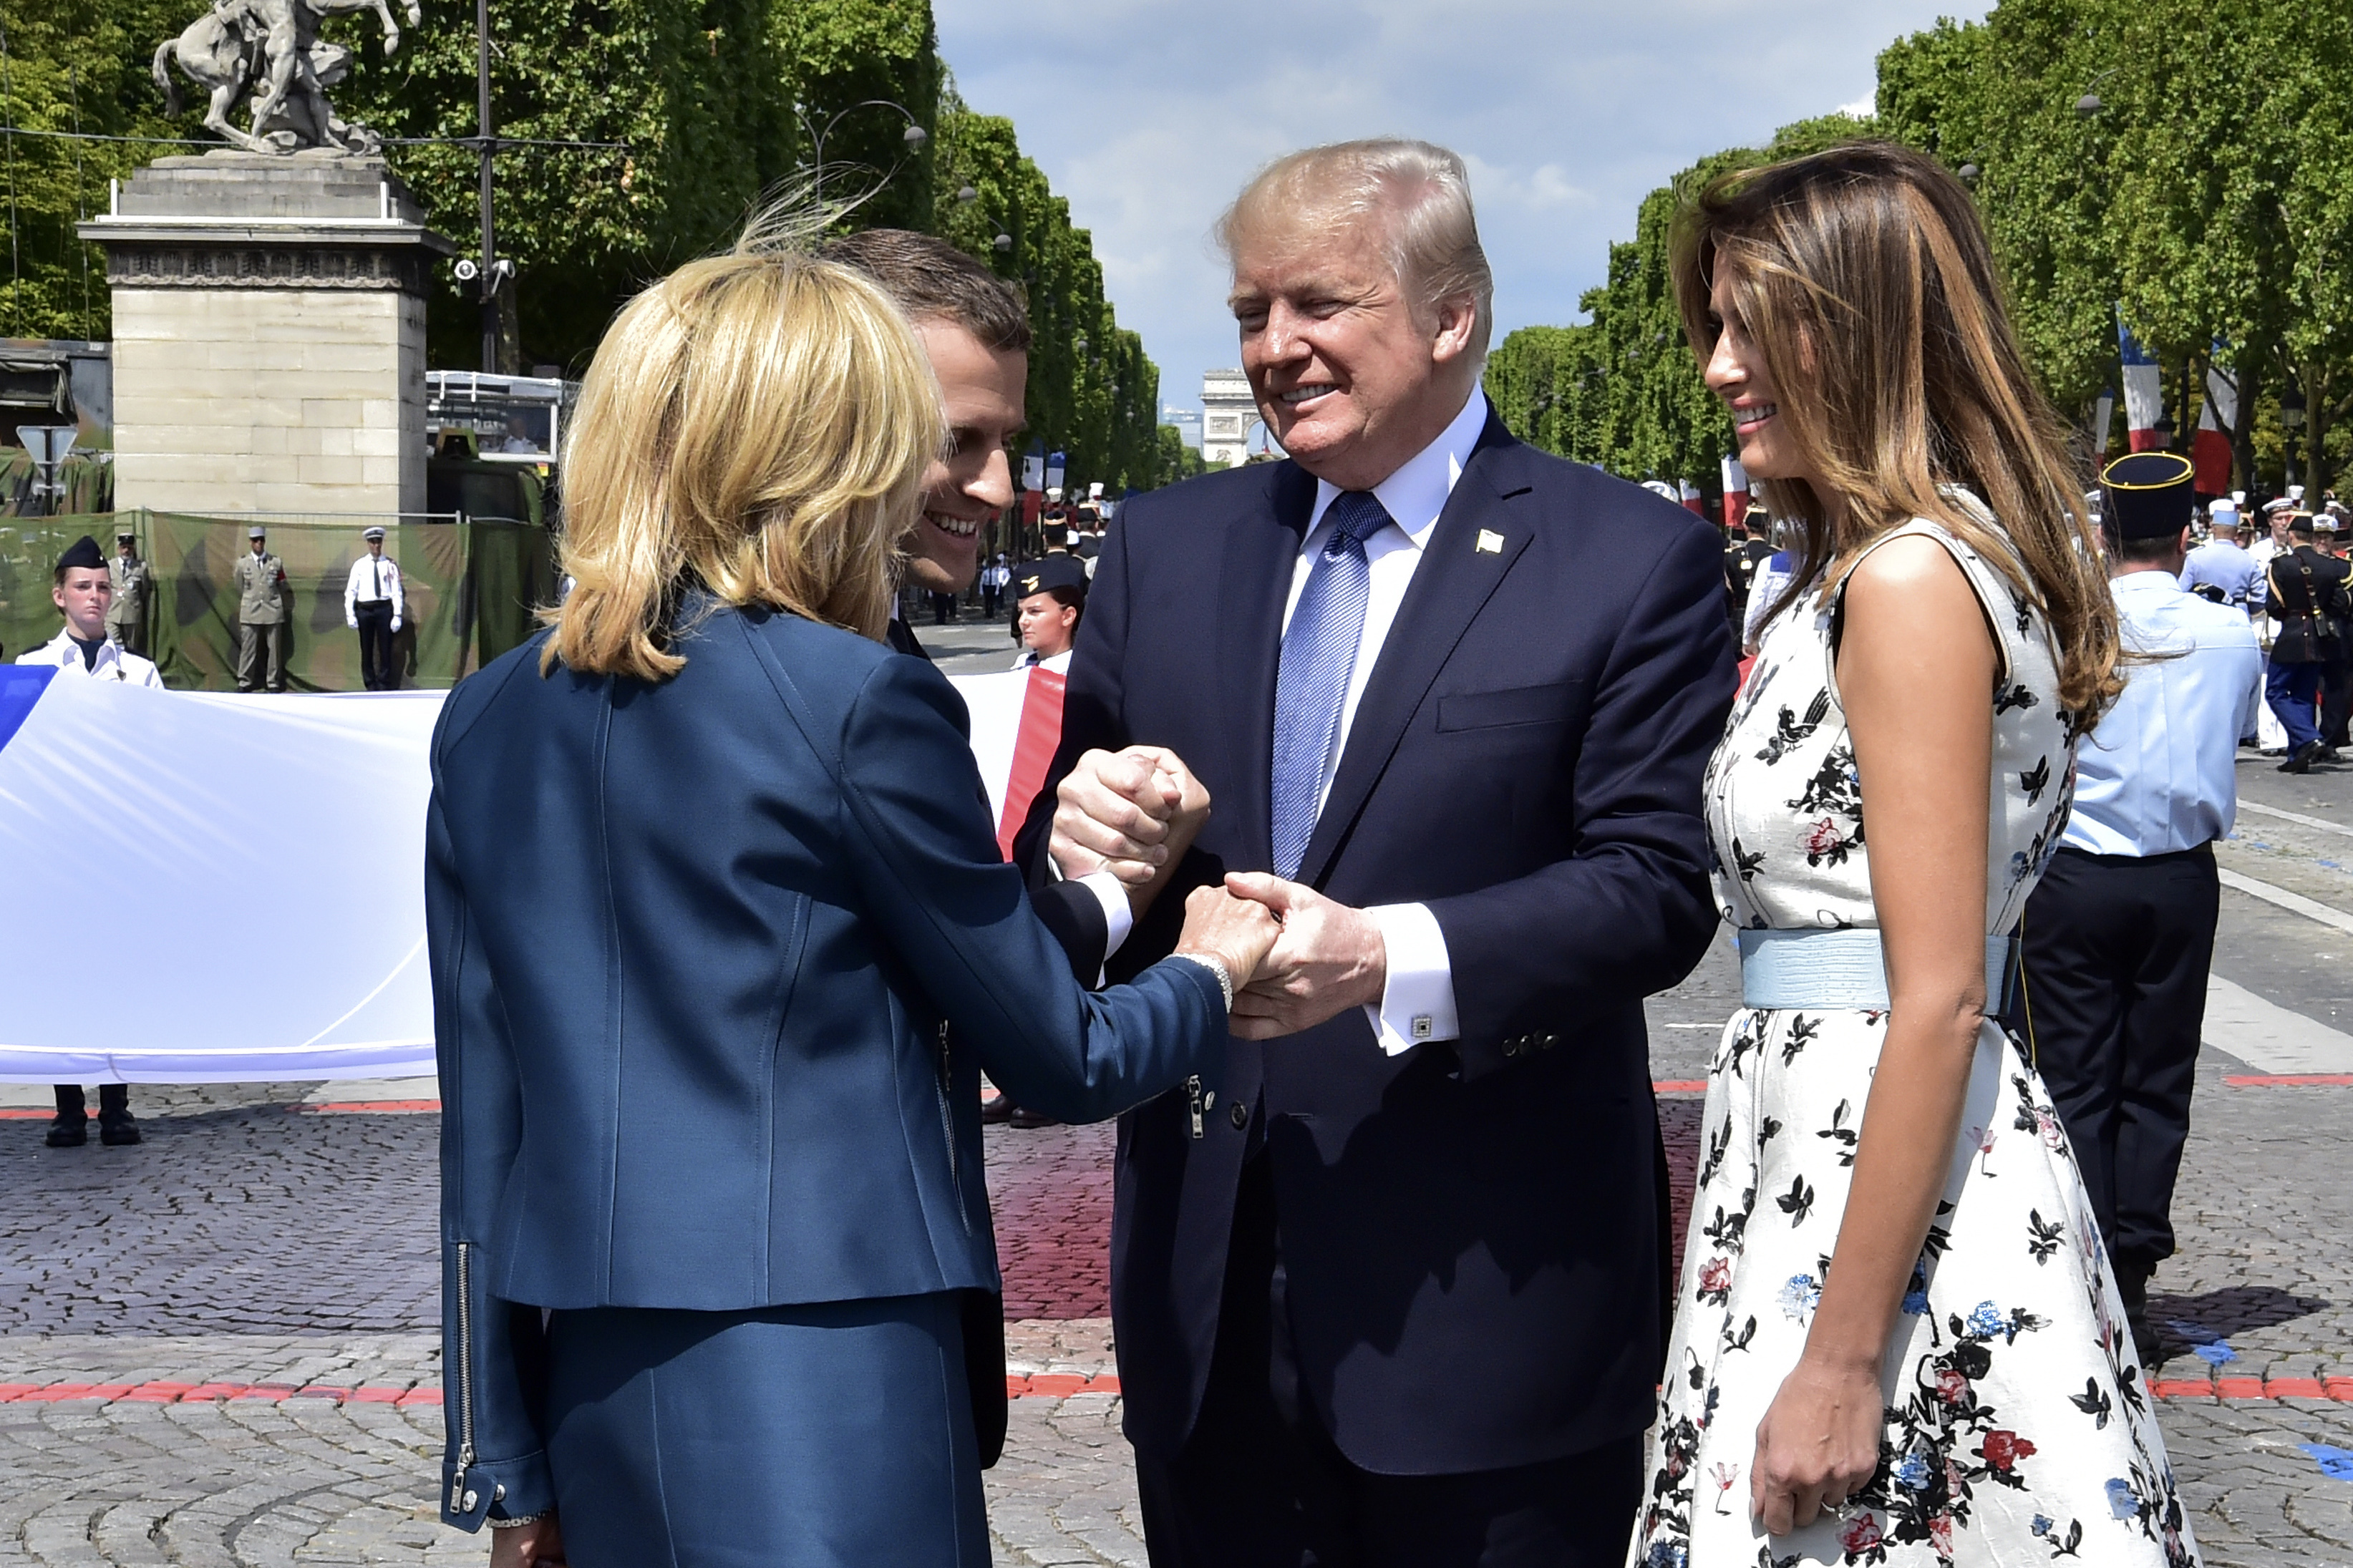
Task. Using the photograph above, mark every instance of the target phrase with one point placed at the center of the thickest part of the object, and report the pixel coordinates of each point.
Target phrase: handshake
(1296, 957)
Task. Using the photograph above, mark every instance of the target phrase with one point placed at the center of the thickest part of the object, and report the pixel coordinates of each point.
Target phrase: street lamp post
(915, 136)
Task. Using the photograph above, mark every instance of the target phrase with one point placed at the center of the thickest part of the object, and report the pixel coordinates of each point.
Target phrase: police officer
(2305, 595)
(2119, 934)
(83, 588)
(373, 606)
(126, 618)
(264, 608)
(1049, 599)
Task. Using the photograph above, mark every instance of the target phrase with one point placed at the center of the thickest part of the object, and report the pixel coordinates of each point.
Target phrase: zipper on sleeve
(948, 1129)
(1194, 1103)
(462, 1500)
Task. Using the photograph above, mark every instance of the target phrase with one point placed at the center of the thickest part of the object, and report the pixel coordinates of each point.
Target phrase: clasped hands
(1296, 957)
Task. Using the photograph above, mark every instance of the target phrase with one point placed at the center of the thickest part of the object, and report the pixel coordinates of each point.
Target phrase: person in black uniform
(2331, 539)
(2119, 934)
(2307, 598)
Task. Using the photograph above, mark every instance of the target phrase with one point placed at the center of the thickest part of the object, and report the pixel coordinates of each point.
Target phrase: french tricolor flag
(2210, 449)
(2144, 391)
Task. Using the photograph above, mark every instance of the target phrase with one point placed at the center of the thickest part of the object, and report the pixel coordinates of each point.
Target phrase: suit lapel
(1470, 548)
(1261, 553)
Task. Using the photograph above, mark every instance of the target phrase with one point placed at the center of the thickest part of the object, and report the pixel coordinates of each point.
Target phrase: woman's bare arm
(1915, 673)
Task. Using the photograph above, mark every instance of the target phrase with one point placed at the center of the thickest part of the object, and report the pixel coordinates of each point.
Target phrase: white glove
(353, 622)
(396, 623)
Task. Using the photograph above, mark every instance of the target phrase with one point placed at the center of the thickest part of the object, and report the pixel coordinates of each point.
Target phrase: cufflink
(1422, 1027)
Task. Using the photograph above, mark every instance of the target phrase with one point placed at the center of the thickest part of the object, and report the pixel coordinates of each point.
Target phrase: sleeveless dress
(2018, 1428)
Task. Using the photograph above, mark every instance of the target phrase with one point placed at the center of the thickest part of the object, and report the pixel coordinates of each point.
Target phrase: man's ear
(1456, 319)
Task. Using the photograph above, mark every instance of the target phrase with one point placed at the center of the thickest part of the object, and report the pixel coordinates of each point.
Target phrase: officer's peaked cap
(1053, 572)
(2148, 494)
(82, 552)
(257, 531)
(372, 533)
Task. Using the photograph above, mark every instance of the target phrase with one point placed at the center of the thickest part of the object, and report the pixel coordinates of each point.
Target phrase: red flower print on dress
(1940, 1534)
(1951, 1387)
(1824, 842)
(1861, 1534)
(2002, 1449)
(1716, 1280)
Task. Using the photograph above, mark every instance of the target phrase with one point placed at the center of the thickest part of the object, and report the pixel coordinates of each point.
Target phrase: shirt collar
(68, 652)
(1416, 492)
(2164, 584)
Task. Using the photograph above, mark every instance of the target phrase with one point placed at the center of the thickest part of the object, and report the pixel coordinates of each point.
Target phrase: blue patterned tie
(1319, 653)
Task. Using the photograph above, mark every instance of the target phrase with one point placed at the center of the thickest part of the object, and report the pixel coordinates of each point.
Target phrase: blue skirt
(839, 1433)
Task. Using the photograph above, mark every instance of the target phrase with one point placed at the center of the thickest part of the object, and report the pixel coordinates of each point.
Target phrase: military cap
(2322, 522)
(2223, 514)
(1044, 576)
(2148, 494)
(257, 531)
(82, 552)
(126, 534)
(372, 533)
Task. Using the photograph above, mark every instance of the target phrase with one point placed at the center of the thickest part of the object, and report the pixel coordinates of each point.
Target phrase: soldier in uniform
(264, 609)
(373, 603)
(2218, 569)
(1050, 598)
(83, 588)
(2305, 594)
(126, 618)
(2119, 936)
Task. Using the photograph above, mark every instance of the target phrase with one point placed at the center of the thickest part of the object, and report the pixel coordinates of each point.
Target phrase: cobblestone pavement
(237, 1314)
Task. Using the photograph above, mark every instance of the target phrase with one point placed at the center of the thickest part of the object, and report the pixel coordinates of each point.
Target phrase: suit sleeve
(924, 856)
(1631, 909)
(495, 1464)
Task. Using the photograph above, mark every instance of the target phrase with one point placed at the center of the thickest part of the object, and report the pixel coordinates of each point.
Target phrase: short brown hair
(932, 280)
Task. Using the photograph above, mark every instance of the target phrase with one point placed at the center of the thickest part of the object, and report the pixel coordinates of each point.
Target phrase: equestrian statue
(270, 50)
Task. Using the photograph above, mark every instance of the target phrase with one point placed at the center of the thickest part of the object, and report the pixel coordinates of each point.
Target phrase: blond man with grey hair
(1391, 1291)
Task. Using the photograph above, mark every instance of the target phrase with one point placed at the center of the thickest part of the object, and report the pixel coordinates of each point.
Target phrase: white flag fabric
(202, 888)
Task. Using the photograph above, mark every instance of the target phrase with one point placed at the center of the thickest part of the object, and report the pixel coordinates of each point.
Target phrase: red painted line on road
(2240, 1389)
(169, 1393)
(369, 1107)
(1678, 1085)
(2290, 1081)
(15, 1115)
(1060, 1384)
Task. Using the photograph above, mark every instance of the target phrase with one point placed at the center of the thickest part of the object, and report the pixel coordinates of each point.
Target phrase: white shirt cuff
(1119, 915)
(1417, 1000)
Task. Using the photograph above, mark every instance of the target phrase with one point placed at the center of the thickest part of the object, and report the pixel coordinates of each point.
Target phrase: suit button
(1512, 1046)
(1550, 1041)
(1239, 1115)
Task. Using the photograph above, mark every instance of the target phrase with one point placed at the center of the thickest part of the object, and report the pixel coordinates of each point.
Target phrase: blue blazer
(695, 950)
(1472, 1233)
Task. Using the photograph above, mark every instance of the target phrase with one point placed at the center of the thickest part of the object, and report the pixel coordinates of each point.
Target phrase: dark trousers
(2116, 953)
(988, 600)
(1259, 1484)
(130, 636)
(113, 1100)
(2336, 700)
(2290, 689)
(944, 608)
(375, 616)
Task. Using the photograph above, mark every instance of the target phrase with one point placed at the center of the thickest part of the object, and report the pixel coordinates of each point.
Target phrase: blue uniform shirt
(2229, 568)
(2159, 775)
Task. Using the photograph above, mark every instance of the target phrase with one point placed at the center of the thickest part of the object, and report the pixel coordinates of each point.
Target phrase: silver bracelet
(1216, 966)
(512, 1524)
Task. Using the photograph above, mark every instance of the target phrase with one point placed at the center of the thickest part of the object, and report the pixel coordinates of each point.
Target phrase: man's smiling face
(1350, 375)
(982, 392)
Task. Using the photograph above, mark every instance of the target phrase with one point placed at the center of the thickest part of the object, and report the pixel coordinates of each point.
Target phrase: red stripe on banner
(2291, 1080)
(1033, 753)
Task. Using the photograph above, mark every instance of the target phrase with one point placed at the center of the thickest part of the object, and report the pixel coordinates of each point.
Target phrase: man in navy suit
(1392, 1292)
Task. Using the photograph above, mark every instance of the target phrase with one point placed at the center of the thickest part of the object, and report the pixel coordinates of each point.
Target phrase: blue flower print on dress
(1800, 1296)
(1913, 1472)
(2122, 1502)
(1987, 1319)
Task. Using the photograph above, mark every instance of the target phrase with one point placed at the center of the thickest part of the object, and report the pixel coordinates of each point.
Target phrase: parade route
(219, 1347)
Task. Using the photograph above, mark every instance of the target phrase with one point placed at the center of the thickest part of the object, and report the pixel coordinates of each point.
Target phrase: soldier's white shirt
(1060, 664)
(112, 663)
(374, 577)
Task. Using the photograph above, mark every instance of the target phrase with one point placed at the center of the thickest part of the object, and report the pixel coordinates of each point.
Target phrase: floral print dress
(2018, 1428)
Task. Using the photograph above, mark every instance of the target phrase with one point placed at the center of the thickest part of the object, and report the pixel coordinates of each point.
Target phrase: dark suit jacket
(695, 947)
(1471, 1231)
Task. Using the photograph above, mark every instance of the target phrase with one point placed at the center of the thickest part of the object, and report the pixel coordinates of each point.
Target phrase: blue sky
(1148, 117)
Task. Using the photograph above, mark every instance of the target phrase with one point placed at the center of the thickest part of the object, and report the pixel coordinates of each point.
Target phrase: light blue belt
(1834, 970)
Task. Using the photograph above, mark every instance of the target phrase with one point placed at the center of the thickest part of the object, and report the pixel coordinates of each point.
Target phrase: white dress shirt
(1056, 664)
(373, 577)
(111, 664)
(2159, 773)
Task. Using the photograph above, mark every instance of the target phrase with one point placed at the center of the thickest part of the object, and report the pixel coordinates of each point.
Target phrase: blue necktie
(1319, 653)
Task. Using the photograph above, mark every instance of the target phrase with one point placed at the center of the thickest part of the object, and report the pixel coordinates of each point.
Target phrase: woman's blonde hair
(756, 425)
(1866, 282)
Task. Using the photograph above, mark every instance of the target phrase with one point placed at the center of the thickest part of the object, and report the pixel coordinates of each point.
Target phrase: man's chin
(942, 562)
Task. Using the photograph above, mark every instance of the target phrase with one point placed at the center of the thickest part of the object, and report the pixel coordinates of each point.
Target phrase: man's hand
(539, 1544)
(1144, 799)
(1330, 958)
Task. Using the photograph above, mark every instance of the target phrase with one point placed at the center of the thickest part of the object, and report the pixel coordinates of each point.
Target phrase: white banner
(198, 888)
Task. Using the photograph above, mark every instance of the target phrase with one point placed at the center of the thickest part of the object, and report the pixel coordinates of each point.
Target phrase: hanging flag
(1693, 502)
(2209, 450)
(1735, 493)
(2144, 391)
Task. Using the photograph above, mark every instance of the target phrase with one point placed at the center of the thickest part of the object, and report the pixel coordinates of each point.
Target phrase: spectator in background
(993, 579)
(264, 607)
(83, 588)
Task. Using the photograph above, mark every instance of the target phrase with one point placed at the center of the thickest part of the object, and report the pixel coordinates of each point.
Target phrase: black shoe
(2300, 759)
(2327, 753)
(2132, 1285)
(67, 1131)
(996, 1108)
(114, 1131)
(1024, 1117)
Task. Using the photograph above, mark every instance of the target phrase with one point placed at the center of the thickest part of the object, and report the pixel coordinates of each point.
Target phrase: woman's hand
(1817, 1447)
(1235, 932)
(539, 1544)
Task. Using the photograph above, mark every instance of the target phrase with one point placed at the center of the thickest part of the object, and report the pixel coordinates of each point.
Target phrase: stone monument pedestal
(269, 334)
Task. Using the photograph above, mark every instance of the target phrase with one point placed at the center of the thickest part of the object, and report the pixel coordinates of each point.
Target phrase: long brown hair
(756, 425)
(1864, 277)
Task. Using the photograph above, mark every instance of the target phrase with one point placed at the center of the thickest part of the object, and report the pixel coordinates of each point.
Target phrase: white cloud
(1148, 117)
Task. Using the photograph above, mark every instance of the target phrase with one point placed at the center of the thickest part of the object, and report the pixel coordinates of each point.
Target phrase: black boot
(2300, 761)
(70, 1130)
(2132, 1284)
(116, 1126)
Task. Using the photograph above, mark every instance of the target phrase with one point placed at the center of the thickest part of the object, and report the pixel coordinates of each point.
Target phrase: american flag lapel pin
(1490, 543)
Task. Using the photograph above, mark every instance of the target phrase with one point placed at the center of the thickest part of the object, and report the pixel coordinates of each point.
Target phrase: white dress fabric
(2018, 1428)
